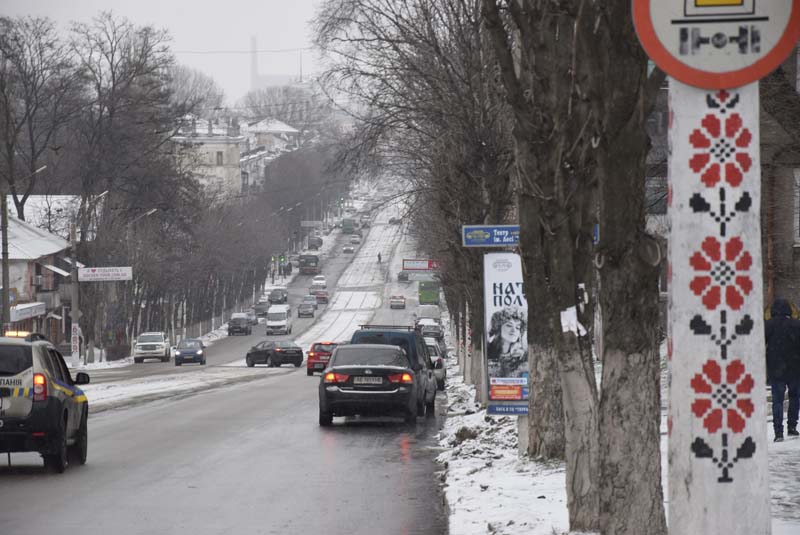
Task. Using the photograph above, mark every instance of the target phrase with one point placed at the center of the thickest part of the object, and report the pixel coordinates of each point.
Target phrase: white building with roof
(37, 271)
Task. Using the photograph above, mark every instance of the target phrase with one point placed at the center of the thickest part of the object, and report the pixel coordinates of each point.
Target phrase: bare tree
(39, 88)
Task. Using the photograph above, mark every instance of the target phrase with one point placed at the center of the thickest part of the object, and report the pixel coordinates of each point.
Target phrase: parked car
(239, 324)
(51, 418)
(402, 276)
(314, 243)
(397, 301)
(279, 320)
(310, 299)
(261, 308)
(348, 249)
(430, 327)
(371, 380)
(437, 358)
(278, 296)
(152, 345)
(275, 353)
(320, 280)
(306, 310)
(190, 350)
(252, 318)
(318, 356)
(411, 341)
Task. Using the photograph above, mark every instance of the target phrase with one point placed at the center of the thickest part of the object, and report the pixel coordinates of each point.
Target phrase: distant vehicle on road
(429, 292)
(261, 308)
(190, 350)
(279, 296)
(318, 356)
(275, 353)
(279, 320)
(310, 299)
(355, 239)
(430, 311)
(306, 310)
(348, 249)
(371, 380)
(395, 220)
(252, 318)
(430, 327)
(152, 345)
(239, 324)
(437, 358)
(309, 264)
(402, 276)
(397, 301)
(320, 293)
(320, 280)
(348, 225)
(43, 409)
(314, 243)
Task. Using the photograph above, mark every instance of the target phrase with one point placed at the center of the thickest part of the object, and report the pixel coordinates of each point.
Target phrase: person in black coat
(782, 334)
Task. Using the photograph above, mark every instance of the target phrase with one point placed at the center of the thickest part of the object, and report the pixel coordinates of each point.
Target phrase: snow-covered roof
(271, 126)
(27, 242)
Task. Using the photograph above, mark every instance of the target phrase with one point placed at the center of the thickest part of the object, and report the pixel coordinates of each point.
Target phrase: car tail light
(405, 378)
(39, 387)
(331, 377)
(277, 349)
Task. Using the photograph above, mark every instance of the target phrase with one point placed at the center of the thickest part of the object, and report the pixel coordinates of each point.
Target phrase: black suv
(41, 407)
(411, 341)
(278, 296)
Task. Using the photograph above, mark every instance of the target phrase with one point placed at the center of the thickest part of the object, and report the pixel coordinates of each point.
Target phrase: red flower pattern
(717, 401)
(722, 149)
(721, 273)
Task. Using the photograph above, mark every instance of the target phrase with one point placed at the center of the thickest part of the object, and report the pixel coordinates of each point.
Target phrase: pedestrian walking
(782, 334)
(379, 258)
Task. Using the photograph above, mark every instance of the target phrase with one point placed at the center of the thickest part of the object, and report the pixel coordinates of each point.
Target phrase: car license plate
(367, 380)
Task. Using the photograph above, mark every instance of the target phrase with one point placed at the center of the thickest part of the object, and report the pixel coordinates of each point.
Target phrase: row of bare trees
(499, 111)
(99, 107)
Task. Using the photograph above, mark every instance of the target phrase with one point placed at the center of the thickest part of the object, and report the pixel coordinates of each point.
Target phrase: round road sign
(717, 44)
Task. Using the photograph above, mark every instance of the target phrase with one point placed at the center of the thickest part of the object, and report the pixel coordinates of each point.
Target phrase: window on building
(219, 157)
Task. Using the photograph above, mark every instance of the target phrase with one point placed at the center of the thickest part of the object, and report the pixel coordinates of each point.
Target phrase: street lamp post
(5, 267)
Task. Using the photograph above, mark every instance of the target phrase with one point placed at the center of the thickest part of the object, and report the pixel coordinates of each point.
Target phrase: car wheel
(57, 462)
(270, 364)
(298, 363)
(309, 372)
(203, 362)
(79, 450)
(165, 359)
(421, 406)
(138, 360)
(430, 408)
(250, 362)
(230, 333)
(411, 417)
(178, 362)
(325, 418)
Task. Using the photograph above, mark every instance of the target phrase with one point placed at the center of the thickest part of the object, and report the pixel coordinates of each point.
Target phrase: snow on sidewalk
(490, 488)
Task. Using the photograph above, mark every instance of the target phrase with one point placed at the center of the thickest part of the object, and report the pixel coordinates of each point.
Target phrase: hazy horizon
(206, 37)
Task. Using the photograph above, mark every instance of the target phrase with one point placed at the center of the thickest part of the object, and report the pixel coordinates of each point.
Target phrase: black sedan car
(275, 353)
(370, 380)
(190, 350)
(278, 296)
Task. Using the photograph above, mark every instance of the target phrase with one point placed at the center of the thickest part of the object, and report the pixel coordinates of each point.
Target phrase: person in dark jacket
(782, 334)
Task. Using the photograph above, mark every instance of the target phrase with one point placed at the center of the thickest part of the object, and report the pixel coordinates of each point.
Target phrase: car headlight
(199, 351)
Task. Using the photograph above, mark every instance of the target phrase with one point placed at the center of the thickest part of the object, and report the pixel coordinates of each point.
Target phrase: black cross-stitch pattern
(724, 216)
(702, 450)
(700, 327)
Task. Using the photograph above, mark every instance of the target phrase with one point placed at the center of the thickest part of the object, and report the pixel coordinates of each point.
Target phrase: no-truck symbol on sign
(717, 44)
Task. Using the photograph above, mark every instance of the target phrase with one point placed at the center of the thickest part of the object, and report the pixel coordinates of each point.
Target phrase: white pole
(718, 471)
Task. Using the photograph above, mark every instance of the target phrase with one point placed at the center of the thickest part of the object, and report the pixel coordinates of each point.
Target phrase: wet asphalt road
(247, 458)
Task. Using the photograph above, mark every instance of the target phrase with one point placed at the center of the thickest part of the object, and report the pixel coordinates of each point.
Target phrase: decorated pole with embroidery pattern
(718, 469)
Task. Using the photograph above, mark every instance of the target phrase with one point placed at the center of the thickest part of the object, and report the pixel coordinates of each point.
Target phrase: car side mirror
(439, 364)
(82, 378)
(417, 367)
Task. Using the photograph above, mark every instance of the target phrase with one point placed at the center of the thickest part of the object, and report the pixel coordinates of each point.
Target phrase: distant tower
(253, 63)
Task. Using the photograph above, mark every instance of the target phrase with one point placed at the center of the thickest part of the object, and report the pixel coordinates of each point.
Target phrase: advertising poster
(506, 320)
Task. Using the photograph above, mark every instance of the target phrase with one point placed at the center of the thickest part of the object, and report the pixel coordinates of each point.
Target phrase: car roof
(239, 315)
(278, 308)
(15, 341)
(365, 347)
(153, 332)
(427, 321)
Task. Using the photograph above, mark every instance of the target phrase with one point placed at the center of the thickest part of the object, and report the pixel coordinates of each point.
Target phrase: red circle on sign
(713, 80)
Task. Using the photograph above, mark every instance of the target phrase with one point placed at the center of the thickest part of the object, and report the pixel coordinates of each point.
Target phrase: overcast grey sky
(201, 26)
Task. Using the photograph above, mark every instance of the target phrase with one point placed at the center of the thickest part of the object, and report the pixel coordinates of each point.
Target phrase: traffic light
(272, 258)
(283, 259)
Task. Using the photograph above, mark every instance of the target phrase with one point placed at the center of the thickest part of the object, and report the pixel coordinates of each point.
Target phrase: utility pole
(6, 282)
(75, 312)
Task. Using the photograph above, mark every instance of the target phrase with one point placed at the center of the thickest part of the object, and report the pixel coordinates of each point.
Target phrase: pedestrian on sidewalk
(379, 258)
(782, 334)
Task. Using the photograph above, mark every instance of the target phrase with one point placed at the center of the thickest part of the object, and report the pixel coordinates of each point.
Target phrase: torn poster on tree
(506, 320)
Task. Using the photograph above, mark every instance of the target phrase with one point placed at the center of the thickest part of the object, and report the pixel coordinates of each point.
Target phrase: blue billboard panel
(507, 409)
(490, 235)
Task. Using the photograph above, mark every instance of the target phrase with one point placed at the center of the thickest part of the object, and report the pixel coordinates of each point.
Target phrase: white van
(279, 319)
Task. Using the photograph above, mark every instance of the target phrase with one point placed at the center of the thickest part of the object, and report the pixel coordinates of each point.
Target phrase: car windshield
(276, 293)
(149, 338)
(14, 359)
(324, 347)
(310, 299)
(276, 316)
(189, 344)
(286, 345)
(400, 341)
(433, 350)
(369, 356)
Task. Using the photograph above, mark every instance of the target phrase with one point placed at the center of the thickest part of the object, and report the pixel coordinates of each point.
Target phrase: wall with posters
(506, 324)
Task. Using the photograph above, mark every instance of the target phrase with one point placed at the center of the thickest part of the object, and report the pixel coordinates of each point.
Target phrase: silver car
(437, 358)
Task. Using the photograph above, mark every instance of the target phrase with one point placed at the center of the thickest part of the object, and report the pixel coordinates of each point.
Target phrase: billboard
(420, 265)
(490, 235)
(506, 335)
(98, 274)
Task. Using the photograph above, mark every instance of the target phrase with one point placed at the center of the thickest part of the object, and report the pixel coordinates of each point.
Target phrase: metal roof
(27, 242)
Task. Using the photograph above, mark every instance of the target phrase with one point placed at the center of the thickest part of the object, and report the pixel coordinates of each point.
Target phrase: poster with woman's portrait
(506, 327)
